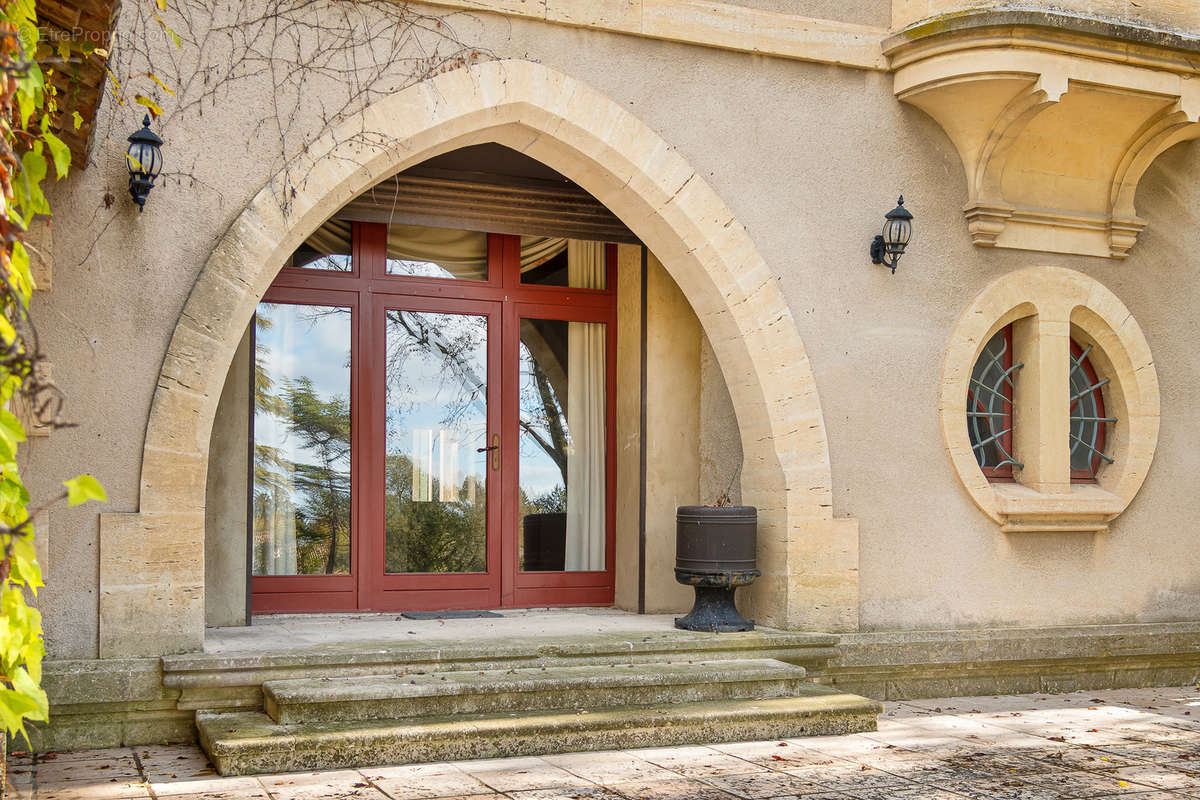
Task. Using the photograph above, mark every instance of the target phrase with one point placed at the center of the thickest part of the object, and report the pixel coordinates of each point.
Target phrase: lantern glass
(145, 160)
(896, 234)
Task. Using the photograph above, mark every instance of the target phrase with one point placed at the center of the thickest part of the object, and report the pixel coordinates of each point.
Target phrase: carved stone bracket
(1055, 128)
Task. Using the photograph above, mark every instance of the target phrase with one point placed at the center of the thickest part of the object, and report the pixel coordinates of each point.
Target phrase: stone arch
(809, 560)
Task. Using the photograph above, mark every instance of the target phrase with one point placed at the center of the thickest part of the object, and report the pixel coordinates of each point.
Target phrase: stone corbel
(1054, 137)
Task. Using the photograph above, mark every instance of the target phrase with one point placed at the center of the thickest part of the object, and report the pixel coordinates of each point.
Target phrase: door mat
(451, 615)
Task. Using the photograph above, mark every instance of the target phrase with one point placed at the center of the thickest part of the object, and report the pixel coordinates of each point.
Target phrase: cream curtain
(585, 418)
(332, 237)
(279, 534)
(537, 250)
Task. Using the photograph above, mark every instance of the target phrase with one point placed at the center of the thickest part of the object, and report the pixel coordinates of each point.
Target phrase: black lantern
(897, 231)
(145, 162)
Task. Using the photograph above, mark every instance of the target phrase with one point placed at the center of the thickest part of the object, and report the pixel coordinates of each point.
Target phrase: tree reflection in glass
(436, 500)
(301, 440)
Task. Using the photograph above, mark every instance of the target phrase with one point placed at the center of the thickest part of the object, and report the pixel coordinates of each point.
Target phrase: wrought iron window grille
(989, 406)
(1087, 416)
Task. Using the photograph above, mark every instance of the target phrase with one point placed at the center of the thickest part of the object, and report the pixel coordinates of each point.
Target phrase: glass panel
(418, 251)
(328, 248)
(989, 405)
(301, 440)
(1088, 419)
(436, 499)
(578, 264)
(562, 434)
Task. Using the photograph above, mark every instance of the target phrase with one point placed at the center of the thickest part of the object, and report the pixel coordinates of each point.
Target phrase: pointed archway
(154, 558)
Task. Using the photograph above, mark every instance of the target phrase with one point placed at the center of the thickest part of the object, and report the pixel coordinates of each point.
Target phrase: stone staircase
(452, 711)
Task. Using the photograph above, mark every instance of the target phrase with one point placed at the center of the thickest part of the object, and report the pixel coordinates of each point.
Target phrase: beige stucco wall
(720, 446)
(673, 338)
(862, 12)
(808, 157)
(226, 492)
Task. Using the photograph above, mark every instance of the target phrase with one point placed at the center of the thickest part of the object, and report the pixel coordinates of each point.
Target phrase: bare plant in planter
(715, 552)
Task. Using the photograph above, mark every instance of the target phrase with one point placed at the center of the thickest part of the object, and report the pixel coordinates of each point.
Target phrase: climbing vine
(28, 150)
(306, 66)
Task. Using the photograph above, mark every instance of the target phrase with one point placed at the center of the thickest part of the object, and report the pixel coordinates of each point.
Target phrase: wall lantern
(897, 231)
(145, 162)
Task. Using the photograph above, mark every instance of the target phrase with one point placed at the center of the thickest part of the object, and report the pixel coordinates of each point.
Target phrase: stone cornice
(1116, 35)
(708, 24)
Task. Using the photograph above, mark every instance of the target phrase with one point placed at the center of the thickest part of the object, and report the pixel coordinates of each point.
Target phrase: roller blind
(475, 201)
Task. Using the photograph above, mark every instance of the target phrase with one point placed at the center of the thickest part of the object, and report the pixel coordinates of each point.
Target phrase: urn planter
(715, 552)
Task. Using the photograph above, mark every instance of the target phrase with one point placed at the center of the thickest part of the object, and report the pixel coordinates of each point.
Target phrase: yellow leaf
(162, 4)
(157, 80)
(154, 107)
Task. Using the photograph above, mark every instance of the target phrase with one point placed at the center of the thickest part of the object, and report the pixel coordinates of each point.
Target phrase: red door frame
(381, 590)
(558, 588)
(368, 291)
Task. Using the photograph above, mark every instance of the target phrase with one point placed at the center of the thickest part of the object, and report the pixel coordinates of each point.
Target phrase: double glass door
(433, 423)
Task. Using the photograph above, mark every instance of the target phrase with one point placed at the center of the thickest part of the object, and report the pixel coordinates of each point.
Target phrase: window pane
(1088, 420)
(436, 482)
(989, 406)
(562, 446)
(419, 251)
(301, 440)
(575, 263)
(328, 248)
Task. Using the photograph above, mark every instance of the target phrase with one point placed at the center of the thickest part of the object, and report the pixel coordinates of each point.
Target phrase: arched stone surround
(152, 572)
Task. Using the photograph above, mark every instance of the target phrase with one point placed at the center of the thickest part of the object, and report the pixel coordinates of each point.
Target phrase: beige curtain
(585, 418)
(463, 254)
(276, 534)
(332, 237)
(537, 250)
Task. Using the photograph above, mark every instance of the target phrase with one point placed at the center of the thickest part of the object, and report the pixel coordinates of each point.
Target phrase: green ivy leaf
(84, 488)
(60, 153)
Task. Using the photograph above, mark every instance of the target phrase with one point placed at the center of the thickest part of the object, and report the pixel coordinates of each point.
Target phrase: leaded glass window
(990, 407)
(1088, 420)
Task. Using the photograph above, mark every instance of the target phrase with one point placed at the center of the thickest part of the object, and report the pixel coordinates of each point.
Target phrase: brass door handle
(494, 449)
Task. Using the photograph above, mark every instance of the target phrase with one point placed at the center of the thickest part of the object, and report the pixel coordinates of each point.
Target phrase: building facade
(449, 305)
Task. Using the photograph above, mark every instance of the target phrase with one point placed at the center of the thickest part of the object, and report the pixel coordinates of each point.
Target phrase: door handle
(494, 450)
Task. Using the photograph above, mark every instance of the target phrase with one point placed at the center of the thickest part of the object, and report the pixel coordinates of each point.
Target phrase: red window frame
(369, 290)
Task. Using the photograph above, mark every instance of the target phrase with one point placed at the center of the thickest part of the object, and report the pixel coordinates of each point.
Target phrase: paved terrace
(1133, 744)
(314, 632)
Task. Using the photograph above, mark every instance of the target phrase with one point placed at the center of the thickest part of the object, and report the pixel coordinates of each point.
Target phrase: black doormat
(450, 615)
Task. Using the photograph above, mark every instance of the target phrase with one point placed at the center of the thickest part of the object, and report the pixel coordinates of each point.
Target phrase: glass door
(562, 470)
(433, 422)
(437, 466)
(304, 480)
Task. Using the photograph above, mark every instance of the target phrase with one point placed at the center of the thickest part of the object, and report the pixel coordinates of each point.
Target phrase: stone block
(151, 584)
(103, 681)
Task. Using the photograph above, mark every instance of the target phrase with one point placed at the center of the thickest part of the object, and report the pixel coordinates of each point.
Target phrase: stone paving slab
(1127, 744)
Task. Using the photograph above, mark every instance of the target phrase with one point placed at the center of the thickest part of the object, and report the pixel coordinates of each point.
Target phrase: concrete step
(438, 693)
(242, 743)
(230, 681)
